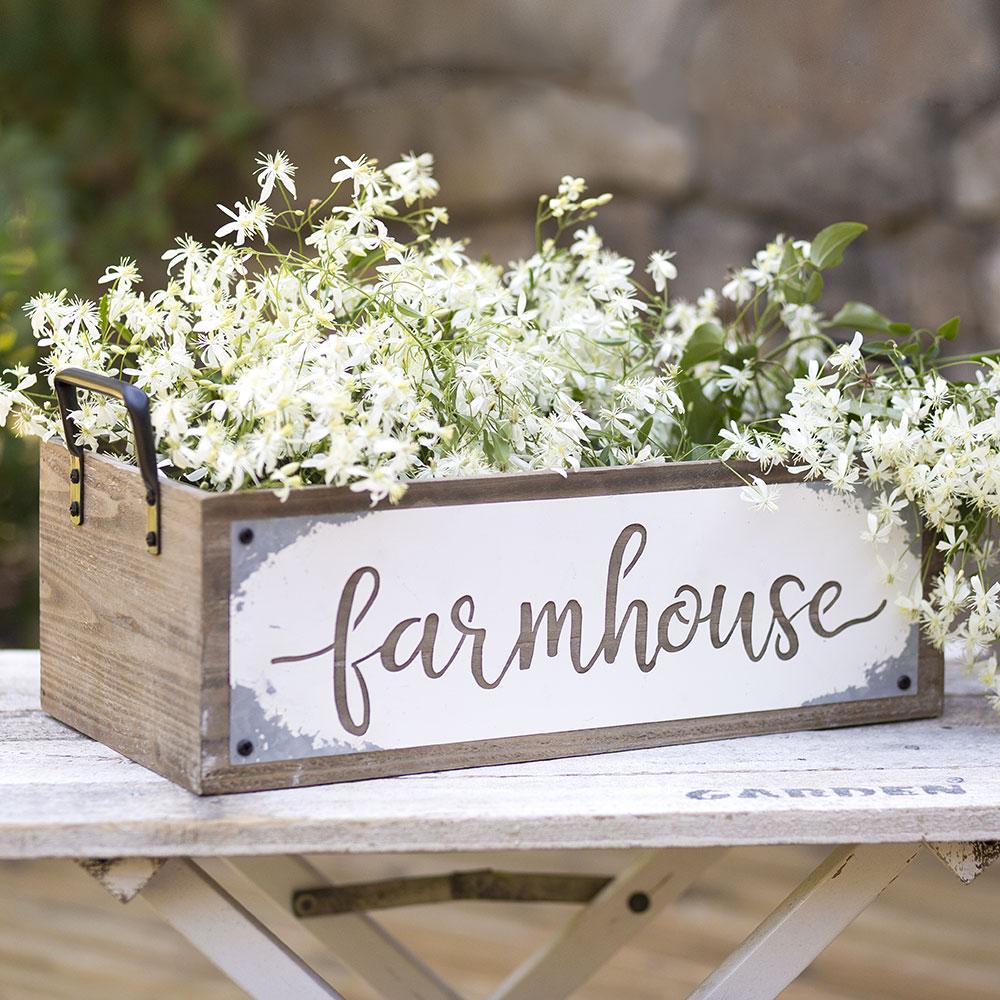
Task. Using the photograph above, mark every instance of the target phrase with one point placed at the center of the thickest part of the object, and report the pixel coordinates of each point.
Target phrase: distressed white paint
(124, 878)
(285, 604)
(64, 795)
(230, 936)
(806, 922)
(967, 859)
(357, 940)
(605, 924)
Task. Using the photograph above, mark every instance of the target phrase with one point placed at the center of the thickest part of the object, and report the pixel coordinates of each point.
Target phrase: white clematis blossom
(275, 168)
(378, 351)
(760, 495)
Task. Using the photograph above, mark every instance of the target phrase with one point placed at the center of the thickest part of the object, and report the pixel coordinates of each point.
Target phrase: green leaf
(900, 328)
(827, 248)
(743, 352)
(703, 417)
(814, 287)
(789, 258)
(704, 344)
(407, 310)
(771, 312)
(949, 329)
(859, 316)
(801, 292)
(860, 408)
(497, 447)
(878, 348)
(642, 435)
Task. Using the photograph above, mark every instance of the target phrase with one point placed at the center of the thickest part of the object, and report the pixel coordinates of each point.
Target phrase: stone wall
(715, 122)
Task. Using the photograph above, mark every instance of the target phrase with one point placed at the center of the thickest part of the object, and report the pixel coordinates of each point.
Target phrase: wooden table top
(63, 795)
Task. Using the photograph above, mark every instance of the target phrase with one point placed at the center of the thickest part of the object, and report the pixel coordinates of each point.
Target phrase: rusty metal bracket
(483, 883)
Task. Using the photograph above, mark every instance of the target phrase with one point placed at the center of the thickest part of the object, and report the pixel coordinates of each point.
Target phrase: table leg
(785, 943)
(357, 940)
(623, 908)
(210, 903)
(229, 936)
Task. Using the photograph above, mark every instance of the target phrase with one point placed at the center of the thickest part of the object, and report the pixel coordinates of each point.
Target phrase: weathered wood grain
(220, 511)
(71, 797)
(494, 489)
(121, 631)
(552, 746)
(135, 649)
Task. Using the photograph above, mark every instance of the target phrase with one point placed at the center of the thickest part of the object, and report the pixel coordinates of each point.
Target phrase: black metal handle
(66, 383)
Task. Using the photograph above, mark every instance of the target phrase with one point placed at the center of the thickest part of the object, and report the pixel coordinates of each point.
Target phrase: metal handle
(136, 403)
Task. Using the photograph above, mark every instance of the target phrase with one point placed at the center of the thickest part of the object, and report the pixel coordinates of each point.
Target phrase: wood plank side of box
(236, 660)
(121, 632)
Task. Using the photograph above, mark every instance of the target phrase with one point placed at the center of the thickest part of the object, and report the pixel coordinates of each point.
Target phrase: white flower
(275, 168)
(249, 217)
(813, 381)
(739, 288)
(951, 541)
(801, 320)
(572, 187)
(848, 356)
(661, 268)
(740, 439)
(586, 242)
(188, 252)
(124, 274)
(362, 172)
(413, 177)
(760, 495)
(736, 379)
(878, 531)
(890, 570)
(844, 473)
(910, 604)
(375, 353)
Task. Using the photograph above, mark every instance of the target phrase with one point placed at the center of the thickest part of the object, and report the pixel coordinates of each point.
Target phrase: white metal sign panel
(409, 627)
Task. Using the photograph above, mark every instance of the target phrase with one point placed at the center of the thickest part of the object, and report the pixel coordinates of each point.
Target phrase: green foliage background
(119, 122)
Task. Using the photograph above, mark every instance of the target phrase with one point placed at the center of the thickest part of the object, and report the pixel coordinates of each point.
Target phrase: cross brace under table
(253, 916)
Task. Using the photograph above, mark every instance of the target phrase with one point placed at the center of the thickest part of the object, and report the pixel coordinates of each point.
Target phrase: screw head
(246, 536)
(74, 476)
(638, 902)
(151, 538)
(305, 902)
(244, 748)
(904, 683)
(74, 509)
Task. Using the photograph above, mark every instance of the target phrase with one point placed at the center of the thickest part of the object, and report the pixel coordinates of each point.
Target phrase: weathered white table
(228, 872)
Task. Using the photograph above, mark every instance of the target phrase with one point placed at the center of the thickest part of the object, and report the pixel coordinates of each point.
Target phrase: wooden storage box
(507, 618)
